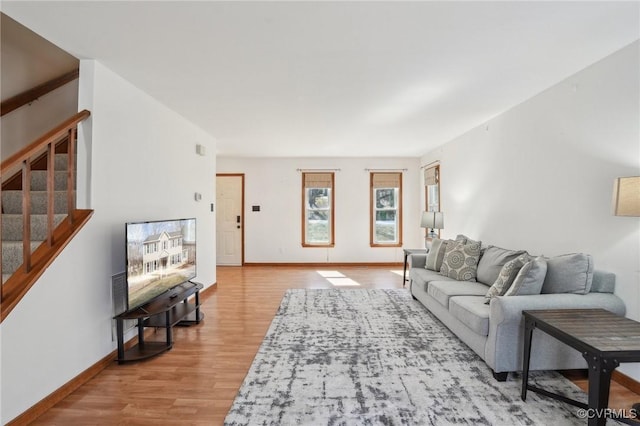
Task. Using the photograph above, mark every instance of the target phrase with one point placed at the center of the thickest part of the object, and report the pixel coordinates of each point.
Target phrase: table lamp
(432, 221)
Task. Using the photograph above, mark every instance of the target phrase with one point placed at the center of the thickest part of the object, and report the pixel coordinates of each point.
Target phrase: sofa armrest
(503, 351)
(509, 308)
(417, 260)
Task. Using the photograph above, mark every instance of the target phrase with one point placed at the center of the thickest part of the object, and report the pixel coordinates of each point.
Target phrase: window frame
(373, 209)
(427, 199)
(331, 210)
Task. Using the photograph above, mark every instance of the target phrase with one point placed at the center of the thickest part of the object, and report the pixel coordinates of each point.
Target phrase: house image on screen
(161, 252)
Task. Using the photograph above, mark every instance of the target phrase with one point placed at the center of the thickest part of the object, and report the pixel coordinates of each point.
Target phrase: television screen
(160, 256)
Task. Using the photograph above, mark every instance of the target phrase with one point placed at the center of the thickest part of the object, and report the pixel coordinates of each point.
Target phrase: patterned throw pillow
(436, 254)
(507, 275)
(461, 261)
(466, 240)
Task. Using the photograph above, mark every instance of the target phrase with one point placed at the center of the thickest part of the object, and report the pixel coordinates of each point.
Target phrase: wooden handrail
(38, 145)
(31, 95)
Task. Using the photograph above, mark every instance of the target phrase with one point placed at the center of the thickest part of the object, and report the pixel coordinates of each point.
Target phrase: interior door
(229, 219)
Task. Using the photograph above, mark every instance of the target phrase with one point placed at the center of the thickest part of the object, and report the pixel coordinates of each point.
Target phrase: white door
(229, 220)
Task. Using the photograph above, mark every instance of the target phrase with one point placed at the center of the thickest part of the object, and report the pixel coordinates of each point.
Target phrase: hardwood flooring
(196, 381)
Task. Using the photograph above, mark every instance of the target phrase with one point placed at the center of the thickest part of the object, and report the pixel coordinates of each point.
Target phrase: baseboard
(58, 395)
(207, 292)
(324, 264)
(68, 388)
(626, 381)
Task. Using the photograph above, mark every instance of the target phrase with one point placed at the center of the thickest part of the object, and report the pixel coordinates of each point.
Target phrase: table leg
(120, 333)
(529, 325)
(168, 325)
(197, 307)
(140, 332)
(600, 370)
(404, 272)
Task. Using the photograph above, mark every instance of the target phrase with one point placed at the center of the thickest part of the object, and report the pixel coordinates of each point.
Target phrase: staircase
(45, 169)
(12, 222)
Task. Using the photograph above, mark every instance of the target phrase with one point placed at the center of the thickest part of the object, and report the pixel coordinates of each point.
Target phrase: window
(317, 210)
(386, 210)
(432, 190)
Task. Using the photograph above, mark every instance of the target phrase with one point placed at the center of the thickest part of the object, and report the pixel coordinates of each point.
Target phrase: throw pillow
(492, 261)
(530, 278)
(436, 254)
(466, 240)
(506, 277)
(461, 261)
(569, 273)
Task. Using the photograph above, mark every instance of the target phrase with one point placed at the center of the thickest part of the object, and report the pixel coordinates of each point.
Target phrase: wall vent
(119, 301)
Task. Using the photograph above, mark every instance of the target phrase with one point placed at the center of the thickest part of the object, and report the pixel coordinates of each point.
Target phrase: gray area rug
(377, 357)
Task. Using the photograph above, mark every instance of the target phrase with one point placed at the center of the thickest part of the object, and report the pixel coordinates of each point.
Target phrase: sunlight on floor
(337, 279)
(398, 272)
(331, 274)
(343, 282)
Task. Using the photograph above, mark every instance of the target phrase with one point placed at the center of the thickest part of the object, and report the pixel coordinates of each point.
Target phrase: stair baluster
(71, 153)
(26, 214)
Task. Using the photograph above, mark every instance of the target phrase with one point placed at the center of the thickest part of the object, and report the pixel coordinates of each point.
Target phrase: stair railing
(24, 157)
(31, 95)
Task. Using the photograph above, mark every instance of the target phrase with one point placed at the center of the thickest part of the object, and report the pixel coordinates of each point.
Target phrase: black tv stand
(167, 310)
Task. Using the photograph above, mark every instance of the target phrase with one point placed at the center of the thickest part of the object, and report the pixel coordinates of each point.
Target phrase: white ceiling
(336, 78)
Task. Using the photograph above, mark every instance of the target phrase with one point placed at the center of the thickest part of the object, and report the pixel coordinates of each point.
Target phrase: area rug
(377, 357)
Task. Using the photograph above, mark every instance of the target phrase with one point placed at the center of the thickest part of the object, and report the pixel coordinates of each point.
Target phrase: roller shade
(431, 176)
(318, 180)
(386, 180)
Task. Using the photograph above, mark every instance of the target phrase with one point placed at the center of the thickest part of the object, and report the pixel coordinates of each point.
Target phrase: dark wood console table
(169, 309)
(605, 340)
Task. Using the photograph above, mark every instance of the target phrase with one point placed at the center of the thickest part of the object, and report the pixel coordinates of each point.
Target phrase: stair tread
(12, 201)
(19, 243)
(19, 215)
(12, 226)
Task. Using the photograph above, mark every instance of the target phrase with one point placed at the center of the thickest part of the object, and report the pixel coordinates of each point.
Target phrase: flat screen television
(160, 255)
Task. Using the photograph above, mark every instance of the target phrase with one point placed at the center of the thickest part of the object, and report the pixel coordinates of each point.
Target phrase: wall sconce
(626, 196)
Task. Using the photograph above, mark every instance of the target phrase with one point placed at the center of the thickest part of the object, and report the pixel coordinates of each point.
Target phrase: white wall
(28, 60)
(540, 176)
(273, 234)
(143, 164)
(24, 125)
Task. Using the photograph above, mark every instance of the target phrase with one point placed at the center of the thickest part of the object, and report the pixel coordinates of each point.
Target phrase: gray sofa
(495, 329)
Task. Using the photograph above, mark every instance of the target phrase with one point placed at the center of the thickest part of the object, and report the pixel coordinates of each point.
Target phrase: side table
(604, 339)
(408, 252)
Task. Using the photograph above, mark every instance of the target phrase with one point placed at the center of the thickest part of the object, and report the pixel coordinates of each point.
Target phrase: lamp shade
(433, 220)
(626, 196)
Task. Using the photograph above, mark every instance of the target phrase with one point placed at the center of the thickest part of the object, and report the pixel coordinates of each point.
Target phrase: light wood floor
(196, 381)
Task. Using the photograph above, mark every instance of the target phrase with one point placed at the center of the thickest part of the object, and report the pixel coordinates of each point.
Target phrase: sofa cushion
(530, 278)
(472, 311)
(492, 261)
(506, 277)
(436, 254)
(461, 261)
(569, 273)
(443, 290)
(421, 277)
